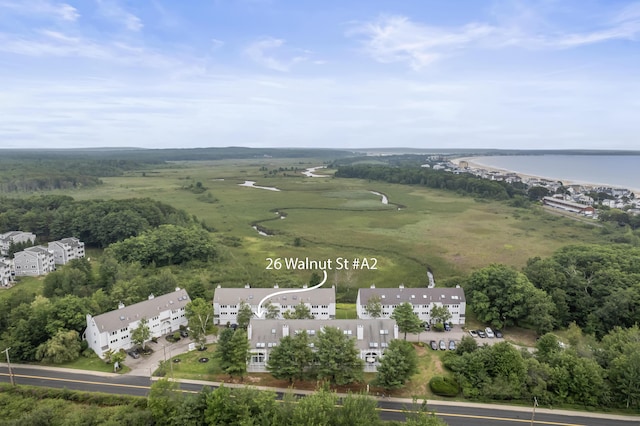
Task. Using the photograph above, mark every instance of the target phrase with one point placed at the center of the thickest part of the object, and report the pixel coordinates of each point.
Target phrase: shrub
(444, 386)
(438, 327)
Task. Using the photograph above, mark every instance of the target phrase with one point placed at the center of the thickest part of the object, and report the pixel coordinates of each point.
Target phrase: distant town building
(14, 237)
(226, 301)
(6, 275)
(422, 299)
(372, 337)
(112, 330)
(568, 206)
(34, 261)
(66, 249)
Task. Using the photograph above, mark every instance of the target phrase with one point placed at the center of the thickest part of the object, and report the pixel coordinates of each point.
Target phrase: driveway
(163, 350)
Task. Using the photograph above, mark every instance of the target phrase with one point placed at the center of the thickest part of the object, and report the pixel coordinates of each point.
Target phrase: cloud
(216, 44)
(396, 38)
(112, 10)
(61, 11)
(262, 52)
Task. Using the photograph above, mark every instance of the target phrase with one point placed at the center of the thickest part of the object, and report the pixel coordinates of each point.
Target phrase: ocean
(619, 171)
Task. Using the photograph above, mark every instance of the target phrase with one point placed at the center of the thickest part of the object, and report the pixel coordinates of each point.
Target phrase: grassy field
(331, 218)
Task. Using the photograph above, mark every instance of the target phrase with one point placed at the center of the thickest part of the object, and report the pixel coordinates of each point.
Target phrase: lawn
(93, 363)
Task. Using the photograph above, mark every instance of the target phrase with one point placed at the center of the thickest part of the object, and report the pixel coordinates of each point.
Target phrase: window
(384, 331)
(260, 345)
(348, 332)
(373, 344)
(257, 358)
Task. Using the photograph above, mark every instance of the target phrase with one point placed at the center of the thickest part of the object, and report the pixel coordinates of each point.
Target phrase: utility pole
(533, 414)
(11, 378)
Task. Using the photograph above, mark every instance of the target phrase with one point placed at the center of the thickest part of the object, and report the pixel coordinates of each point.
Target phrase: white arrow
(260, 312)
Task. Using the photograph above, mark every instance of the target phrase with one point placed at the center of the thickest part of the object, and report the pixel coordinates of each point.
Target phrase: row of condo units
(35, 260)
(321, 302)
(371, 335)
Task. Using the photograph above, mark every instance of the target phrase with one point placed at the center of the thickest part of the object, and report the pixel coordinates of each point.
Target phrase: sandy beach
(474, 164)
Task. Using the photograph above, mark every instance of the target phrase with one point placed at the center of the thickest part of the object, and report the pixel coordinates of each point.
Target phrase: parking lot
(455, 334)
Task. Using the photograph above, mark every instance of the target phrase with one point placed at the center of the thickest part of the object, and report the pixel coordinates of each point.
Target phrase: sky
(530, 74)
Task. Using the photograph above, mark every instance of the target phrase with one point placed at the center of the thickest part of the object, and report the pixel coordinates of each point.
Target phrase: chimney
(285, 330)
(401, 286)
(247, 285)
(276, 286)
(304, 286)
(249, 331)
(151, 296)
(373, 286)
(120, 305)
(360, 332)
(395, 331)
(177, 288)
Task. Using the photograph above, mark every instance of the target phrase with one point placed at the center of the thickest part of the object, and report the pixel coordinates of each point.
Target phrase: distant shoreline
(475, 164)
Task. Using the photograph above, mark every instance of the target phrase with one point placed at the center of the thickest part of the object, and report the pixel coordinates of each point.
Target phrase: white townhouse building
(34, 261)
(66, 249)
(5, 272)
(372, 337)
(112, 330)
(14, 237)
(226, 301)
(422, 299)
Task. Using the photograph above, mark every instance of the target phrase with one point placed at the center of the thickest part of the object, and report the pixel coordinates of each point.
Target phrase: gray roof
(232, 296)
(148, 309)
(73, 242)
(415, 296)
(262, 331)
(38, 249)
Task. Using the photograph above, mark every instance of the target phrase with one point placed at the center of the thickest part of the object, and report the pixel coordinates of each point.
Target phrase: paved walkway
(163, 350)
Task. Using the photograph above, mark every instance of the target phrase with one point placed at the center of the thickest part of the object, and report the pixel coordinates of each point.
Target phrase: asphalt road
(455, 414)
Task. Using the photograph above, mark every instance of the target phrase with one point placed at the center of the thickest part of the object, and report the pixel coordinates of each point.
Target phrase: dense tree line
(227, 406)
(595, 286)
(464, 183)
(585, 373)
(95, 222)
(165, 245)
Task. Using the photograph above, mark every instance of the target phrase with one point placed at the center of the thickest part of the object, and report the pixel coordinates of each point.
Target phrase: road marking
(390, 410)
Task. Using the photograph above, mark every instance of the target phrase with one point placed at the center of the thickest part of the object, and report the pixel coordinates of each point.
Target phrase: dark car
(481, 333)
(184, 333)
(134, 354)
(498, 333)
(447, 326)
(434, 345)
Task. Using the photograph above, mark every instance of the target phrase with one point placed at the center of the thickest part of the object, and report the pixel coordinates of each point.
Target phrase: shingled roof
(415, 296)
(150, 308)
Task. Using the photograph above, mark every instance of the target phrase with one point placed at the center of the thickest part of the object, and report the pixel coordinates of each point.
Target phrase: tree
(290, 359)
(244, 315)
(338, 358)
(271, 311)
(117, 358)
(440, 314)
(467, 344)
(301, 311)
(398, 364)
(141, 334)
(358, 410)
(407, 320)
(64, 346)
(163, 401)
(319, 408)
(199, 313)
(625, 375)
(502, 296)
(223, 350)
(238, 354)
(374, 306)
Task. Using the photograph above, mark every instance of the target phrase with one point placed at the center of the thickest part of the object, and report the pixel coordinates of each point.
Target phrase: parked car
(473, 333)
(452, 345)
(427, 327)
(134, 354)
(447, 326)
(498, 333)
(443, 346)
(184, 333)
(481, 333)
(434, 345)
(489, 332)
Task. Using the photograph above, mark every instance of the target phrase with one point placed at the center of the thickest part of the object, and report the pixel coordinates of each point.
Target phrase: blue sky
(547, 74)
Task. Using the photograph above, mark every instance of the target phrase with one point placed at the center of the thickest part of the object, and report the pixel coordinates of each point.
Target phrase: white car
(489, 332)
(473, 333)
